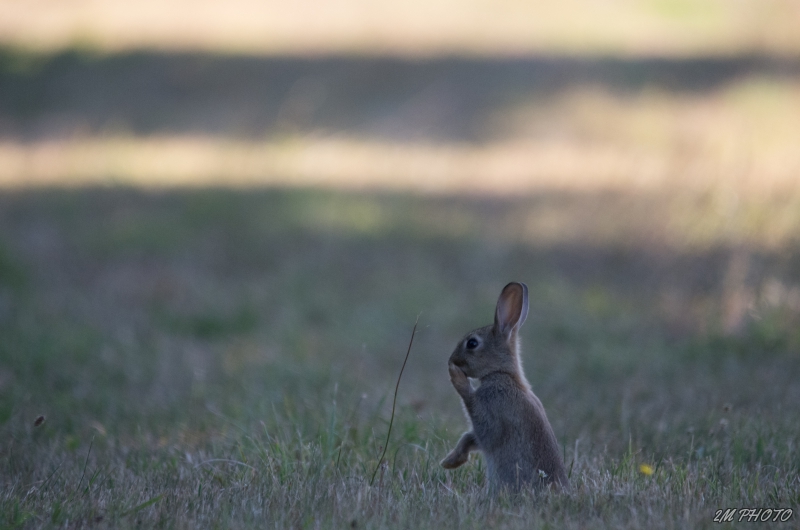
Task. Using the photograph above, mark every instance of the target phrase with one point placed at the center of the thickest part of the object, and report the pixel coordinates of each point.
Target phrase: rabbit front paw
(460, 454)
(459, 380)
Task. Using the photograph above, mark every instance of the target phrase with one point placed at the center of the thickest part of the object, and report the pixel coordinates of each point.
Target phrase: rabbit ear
(512, 308)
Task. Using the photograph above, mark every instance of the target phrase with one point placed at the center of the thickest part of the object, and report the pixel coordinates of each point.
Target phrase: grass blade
(143, 505)
(394, 403)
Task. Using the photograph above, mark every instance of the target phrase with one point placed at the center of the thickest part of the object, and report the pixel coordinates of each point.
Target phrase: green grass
(226, 359)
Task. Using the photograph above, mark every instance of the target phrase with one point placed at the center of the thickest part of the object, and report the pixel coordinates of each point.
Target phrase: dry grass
(411, 28)
(744, 202)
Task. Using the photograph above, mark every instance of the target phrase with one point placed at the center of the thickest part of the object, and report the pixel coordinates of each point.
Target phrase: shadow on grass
(614, 255)
(444, 98)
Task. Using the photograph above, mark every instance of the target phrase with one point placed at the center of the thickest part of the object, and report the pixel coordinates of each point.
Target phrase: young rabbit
(509, 424)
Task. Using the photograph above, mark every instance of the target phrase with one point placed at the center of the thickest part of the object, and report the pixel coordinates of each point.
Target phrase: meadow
(223, 358)
(215, 241)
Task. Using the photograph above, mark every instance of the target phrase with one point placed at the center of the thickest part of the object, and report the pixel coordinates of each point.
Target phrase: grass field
(216, 235)
(223, 358)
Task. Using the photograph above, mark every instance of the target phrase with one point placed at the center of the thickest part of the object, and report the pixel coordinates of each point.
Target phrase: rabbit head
(495, 348)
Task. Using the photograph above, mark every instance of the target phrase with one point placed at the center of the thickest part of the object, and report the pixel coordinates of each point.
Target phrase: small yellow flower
(645, 469)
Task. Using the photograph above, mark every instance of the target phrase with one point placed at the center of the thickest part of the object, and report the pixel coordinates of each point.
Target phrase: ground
(214, 244)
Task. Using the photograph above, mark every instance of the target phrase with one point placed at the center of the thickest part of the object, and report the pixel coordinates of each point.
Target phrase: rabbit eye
(472, 344)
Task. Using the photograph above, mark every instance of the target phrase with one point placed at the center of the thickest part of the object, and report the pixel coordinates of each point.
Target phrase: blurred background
(209, 208)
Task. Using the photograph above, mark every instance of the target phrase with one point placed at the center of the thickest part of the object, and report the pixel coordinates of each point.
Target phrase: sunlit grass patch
(409, 28)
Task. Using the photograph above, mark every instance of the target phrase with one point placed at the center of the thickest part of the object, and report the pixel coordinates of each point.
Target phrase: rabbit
(509, 424)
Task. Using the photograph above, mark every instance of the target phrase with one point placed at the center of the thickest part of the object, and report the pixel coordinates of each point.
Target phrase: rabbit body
(509, 423)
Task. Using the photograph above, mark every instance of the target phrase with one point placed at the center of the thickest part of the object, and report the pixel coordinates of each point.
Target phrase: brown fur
(509, 424)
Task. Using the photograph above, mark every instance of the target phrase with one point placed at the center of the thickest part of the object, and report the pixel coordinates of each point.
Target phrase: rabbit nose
(459, 362)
